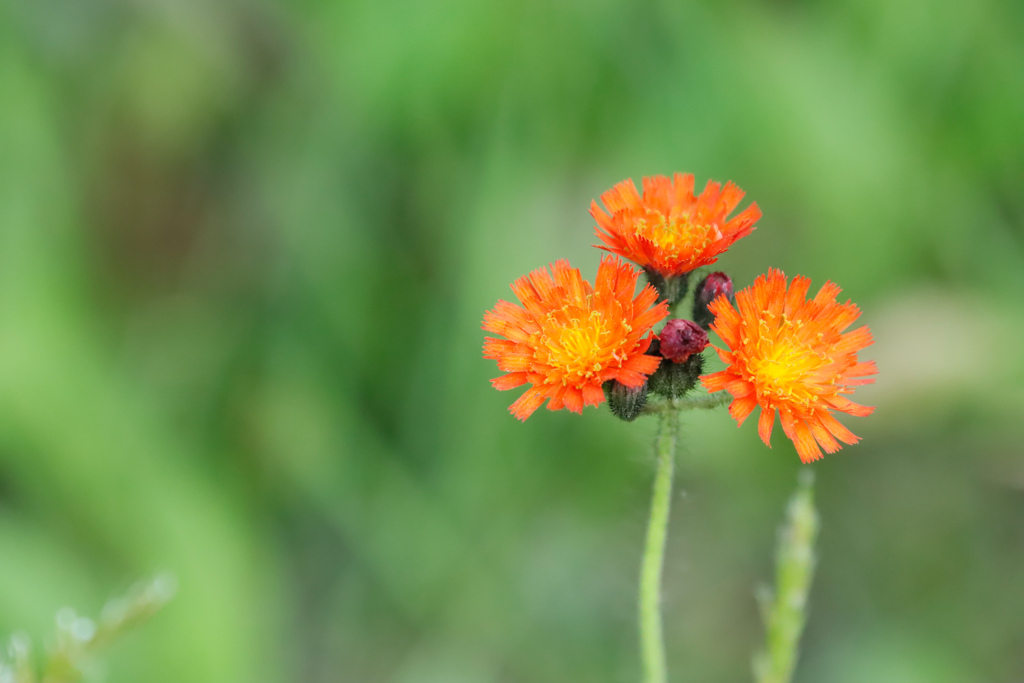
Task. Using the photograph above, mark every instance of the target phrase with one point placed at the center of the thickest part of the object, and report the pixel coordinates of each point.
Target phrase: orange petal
(496, 348)
(823, 436)
(593, 394)
(806, 446)
(764, 425)
(630, 378)
(516, 360)
(510, 381)
(800, 435)
(621, 196)
(743, 223)
(741, 408)
(683, 189)
(526, 404)
(740, 388)
(573, 399)
(651, 317)
(828, 293)
(645, 364)
(730, 198)
(717, 381)
(837, 428)
(847, 406)
(796, 295)
(556, 398)
(854, 341)
(862, 369)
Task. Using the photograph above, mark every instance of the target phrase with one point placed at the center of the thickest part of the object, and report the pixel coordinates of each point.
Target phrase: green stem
(699, 402)
(785, 609)
(652, 646)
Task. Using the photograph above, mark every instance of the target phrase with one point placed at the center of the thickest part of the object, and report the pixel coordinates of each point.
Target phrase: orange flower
(669, 230)
(568, 337)
(790, 354)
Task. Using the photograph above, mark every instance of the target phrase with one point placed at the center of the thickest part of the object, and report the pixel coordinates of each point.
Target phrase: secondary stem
(652, 645)
(698, 402)
(785, 608)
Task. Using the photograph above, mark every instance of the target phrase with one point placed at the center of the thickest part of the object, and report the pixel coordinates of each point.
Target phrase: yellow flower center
(578, 344)
(677, 234)
(782, 365)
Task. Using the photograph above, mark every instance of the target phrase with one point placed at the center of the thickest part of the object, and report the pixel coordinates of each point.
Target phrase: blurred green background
(245, 248)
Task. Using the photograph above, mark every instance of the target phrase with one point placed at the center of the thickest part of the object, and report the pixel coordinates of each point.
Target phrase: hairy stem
(652, 645)
(785, 609)
(698, 402)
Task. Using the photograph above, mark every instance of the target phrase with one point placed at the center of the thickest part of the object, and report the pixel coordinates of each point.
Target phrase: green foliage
(245, 247)
(79, 639)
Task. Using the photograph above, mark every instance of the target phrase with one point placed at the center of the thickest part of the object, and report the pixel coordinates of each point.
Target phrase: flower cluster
(577, 344)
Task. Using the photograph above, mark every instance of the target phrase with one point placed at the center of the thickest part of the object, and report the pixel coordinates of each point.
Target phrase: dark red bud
(680, 339)
(709, 289)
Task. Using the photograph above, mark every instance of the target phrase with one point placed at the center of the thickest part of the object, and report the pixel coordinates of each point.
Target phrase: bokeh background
(245, 248)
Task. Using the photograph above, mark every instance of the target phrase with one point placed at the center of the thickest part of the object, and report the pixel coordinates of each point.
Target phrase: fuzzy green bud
(625, 402)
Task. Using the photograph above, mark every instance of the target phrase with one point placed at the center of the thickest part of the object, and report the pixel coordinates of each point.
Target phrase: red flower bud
(680, 339)
(709, 289)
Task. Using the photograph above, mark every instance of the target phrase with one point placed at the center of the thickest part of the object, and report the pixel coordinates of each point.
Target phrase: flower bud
(675, 380)
(710, 288)
(680, 339)
(680, 344)
(625, 402)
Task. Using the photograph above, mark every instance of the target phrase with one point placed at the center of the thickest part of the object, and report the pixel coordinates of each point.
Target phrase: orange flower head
(668, 229)
(568, 338)
(789, 353)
